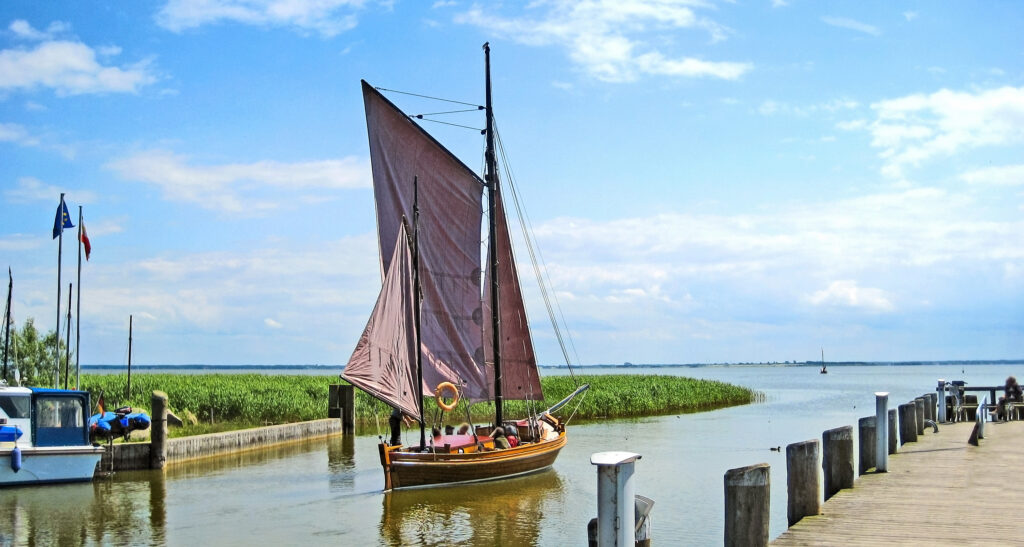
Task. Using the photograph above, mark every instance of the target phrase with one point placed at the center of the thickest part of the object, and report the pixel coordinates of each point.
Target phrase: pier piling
(348, 418)
(883, 432)
(803, 480)
(868, 439)
(908, 423)
(919, 410)
(747, 505)
(837, 459)
(893, 444)
(158, 436)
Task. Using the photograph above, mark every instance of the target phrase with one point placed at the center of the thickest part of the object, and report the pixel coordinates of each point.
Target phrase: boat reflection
(115, 511)
(341, 462)
(506, 512)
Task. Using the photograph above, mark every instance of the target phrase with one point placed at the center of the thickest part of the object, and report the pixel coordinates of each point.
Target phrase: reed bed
(234, 401)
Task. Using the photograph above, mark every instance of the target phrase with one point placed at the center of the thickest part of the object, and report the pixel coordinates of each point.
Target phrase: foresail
(518, 362)
(383, 363)
(449, 240)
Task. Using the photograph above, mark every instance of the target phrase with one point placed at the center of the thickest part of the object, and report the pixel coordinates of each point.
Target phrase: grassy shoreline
(224, 402)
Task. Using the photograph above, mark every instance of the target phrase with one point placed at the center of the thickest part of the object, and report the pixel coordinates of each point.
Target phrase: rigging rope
(420, 117)
(478, 107)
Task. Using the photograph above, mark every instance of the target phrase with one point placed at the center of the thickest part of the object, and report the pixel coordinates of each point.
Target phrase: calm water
(329, 491)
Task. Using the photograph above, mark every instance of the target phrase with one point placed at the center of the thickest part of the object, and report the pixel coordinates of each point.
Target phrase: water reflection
(108, 511)
(341, 462)
(508, 512)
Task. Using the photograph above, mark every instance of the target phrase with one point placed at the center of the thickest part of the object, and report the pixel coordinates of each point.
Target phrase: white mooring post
(942, 400)
(881, 432)
(616, 496)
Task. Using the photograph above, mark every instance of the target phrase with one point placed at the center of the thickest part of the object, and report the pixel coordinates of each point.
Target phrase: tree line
(30, 353)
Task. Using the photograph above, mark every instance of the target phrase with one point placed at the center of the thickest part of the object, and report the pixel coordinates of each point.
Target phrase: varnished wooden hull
(416, 469)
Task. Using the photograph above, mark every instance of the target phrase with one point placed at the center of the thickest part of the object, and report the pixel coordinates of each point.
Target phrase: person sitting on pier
(500, 442)
(1013, 394)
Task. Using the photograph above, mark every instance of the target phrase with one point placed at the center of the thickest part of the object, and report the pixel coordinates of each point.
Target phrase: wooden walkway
(938, 491)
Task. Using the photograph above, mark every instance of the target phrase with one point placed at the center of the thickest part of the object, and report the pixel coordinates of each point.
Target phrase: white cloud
(779, 3)
(221, 187)
(70, 68)
(271, 323)
(22, 29)
(847, 294)
(12, 132)
(31, 189)
(771, 107)
(910, 15)
(1006, 175)
(22, 242)
(325, 17)
(844, 22)
(916, 128)
(613, 41)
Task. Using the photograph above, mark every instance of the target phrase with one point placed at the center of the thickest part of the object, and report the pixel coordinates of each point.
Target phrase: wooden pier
(938, 491)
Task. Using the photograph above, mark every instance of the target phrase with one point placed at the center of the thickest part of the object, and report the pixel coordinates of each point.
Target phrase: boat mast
(7, 319)
(416, 306)
(491, 181)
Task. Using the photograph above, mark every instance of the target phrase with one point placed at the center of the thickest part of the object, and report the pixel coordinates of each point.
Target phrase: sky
(707, 181)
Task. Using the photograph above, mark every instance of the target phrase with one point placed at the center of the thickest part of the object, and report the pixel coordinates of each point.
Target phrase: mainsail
(519, 379)
(449, 198)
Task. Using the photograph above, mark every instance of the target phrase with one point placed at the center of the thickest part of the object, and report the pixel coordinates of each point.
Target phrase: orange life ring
(447, 407)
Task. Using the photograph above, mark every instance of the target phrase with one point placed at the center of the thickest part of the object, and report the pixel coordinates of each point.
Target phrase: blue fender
(16, 459)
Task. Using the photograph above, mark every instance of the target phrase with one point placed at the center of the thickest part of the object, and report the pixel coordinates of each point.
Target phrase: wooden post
(803, 480)
(348, 419)
(919, 409)
(908, 423)
(747, 505)
(933, 406)
(893, 441)
(868, 442)
(158, 436)
(837, 459)
(333, 401)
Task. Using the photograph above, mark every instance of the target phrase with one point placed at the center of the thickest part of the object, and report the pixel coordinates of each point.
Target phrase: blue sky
(708, 181)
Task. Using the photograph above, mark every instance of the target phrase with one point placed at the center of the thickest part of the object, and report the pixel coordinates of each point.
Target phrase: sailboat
(823, 369)
(433, 328)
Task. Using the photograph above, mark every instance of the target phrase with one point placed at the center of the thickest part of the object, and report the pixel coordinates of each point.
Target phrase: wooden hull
(418, 469)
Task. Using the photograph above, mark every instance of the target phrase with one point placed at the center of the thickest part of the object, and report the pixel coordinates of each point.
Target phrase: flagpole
(78, 310)
(60, 249)
(67, 346)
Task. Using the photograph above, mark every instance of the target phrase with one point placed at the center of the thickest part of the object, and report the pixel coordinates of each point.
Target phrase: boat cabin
(45, 417)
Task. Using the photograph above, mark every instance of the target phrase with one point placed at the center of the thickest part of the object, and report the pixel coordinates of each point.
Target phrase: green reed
(234, 401)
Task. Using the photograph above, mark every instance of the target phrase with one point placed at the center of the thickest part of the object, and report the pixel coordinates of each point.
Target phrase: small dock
(938, 491)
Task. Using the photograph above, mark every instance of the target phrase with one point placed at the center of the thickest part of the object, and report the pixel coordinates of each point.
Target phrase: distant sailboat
(823, 369)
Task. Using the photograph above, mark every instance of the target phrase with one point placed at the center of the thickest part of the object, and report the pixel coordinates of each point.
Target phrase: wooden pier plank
(938, 491)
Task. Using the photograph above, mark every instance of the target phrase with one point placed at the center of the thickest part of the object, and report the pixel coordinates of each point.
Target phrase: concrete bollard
(803, 480)
(616, 498)
(893, 441)
(348, 415)
(837, 459)
(919, 415)
(908, 423)
(747, 505)
(866, 434)
(158, 435)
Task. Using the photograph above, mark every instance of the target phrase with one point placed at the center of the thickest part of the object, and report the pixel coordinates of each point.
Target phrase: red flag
(84, 238)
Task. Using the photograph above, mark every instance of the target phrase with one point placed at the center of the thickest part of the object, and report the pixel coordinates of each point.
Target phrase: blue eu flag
(62, 220)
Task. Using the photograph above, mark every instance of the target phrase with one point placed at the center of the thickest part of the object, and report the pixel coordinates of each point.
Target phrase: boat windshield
(59, 421)
(16, 406)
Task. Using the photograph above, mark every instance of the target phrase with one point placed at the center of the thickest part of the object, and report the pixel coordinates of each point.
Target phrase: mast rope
(478, 107)
(420, 117)
(539, 267)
